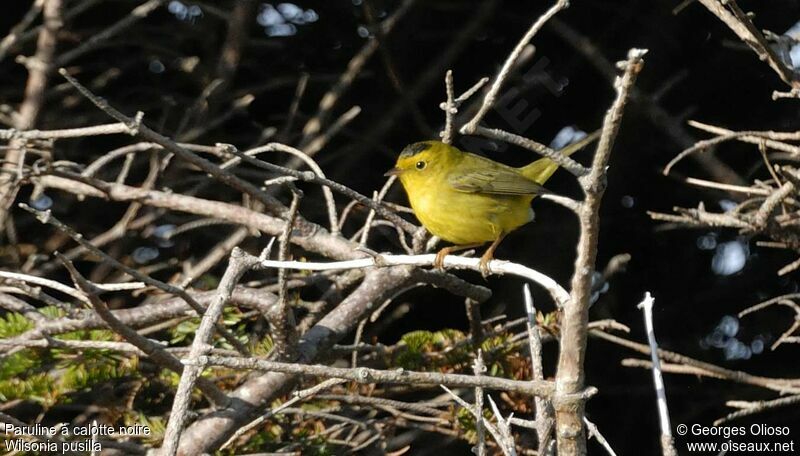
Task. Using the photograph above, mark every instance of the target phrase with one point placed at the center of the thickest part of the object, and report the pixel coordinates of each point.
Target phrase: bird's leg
(488, 255)
(438, 263)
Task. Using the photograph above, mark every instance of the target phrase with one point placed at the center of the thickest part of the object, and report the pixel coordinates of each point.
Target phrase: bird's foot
(438, 262)
(483, 265)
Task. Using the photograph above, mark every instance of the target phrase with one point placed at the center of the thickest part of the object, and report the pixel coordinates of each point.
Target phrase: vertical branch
(239, 263)
(475, 320)
(543, 408)
(479, 368)
(39, 68)
(282, 321)
(569, 407)
(449, 108)
(667, 443)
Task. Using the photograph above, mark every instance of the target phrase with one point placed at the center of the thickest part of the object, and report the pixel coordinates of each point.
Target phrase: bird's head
(422, 161)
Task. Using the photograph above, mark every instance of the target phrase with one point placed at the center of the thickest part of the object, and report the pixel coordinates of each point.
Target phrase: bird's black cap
(414, 149)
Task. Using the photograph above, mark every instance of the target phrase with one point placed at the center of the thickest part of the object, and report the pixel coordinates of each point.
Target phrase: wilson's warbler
(470, 200)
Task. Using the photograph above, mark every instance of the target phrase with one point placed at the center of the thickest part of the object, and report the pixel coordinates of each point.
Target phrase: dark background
(722, 83)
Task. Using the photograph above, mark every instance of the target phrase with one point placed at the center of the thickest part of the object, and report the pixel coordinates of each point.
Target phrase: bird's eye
(421, 164)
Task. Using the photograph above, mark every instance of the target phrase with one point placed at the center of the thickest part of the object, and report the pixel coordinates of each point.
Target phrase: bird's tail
(541, 170)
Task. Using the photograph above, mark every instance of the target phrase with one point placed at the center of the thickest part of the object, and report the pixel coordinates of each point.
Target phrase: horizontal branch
(399, 376)
(146, 314)
(783, 385)
(317, 239)
(559, 294)
(58, 286)
(96, 130)
(575, 168)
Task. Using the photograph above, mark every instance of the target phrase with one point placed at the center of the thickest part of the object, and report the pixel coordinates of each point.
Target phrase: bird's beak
(393, 172)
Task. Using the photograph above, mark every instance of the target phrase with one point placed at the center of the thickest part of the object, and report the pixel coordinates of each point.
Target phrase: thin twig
(297, 396)
(543, 409)
(378, 197)
(594, 432)
(560, 296)
(238, 265)
(46, 217)
(504, 426)
(752, 408)
(479, 368)
(284, 336)
(667, 442)
(478, 414)
(743, 27)
(155, 351)
(368, 376)
(491, 95)
(782, 385)
(449, 108)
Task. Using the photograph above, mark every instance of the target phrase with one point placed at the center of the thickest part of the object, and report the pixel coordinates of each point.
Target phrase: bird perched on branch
(470, 200)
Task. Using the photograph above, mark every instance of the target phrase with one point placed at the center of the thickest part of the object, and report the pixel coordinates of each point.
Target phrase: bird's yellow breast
(468, 218)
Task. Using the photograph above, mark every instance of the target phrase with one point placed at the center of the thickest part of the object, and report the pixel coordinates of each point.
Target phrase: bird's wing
(497, 181)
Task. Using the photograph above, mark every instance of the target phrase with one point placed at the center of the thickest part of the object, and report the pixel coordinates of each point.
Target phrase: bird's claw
(438, 262)
(483, 266)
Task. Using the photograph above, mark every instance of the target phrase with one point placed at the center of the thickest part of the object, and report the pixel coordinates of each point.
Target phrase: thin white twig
(58, 286)
(559, 294)
(95, 130)
(667, 442)
(594, 432)
(504, 426)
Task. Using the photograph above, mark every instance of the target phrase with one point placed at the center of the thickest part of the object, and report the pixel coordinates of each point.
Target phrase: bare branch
(150, 348)
(238, 265)
(47, 218)
(491, 95)
(594, 432)
(39, 69)
(667, 442)
(570, 373)
(543, 409)
(743, 27)
(398, 377)
(560, 296)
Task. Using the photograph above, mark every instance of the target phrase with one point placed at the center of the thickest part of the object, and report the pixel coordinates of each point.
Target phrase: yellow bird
(470, 200)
